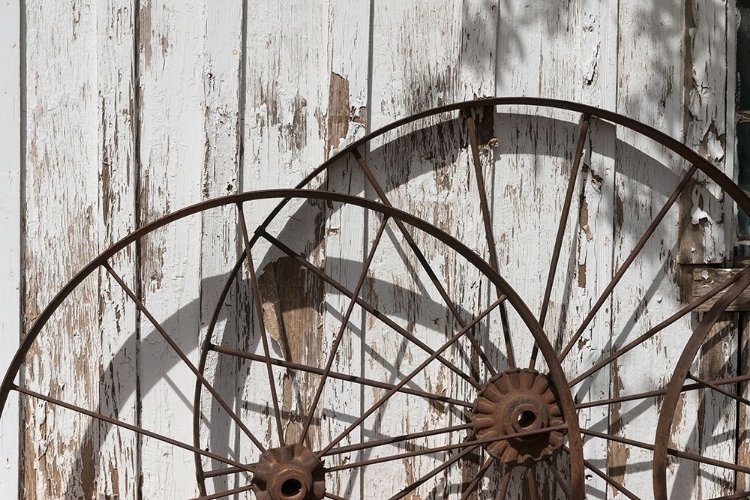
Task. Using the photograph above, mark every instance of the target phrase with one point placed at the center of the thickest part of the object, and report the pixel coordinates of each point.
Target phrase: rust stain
(618, 453)
(88, 468)
(619, 213)
(115, 481)
(411, 476)
(105, 175)
(164, 46)
(691, 249)
(584, 220)
(296, 131)
(144, 41)
(338, 112)
(292, 304)
(28, 470)
(271, 305)
(581, 275)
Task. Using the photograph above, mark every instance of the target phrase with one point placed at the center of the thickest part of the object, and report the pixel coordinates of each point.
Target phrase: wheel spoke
(656, 329)
(413, 486)
(344, 323)
(531, 482)
(661, 392)
(334, 497)
(477, 479)
(423, 261)
(261, 322)
(582, 134)
(744, 495)
(404, 437)
(670, 451)
(622, 489)
(223, 472)
(204, 352)
(628, 261)
(414, 373)
(224, 494)
(367, 307)
(502, 492)
(489, 233)
(341, 376)
(559, 479)
(142, 308)
(131, 427)
(428, 451)
(718, 389)
(675, 388)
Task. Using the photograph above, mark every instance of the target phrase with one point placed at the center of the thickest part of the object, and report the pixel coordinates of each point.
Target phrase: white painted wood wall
(116, 112)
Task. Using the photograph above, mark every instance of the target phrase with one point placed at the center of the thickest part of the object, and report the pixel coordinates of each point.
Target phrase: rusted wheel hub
(519, 401)
(289, 473)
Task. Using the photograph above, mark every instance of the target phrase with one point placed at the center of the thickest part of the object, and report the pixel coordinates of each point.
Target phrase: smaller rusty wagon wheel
(709, 372)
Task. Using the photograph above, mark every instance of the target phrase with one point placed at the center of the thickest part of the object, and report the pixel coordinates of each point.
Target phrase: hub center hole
(526, 419)
(291, 487)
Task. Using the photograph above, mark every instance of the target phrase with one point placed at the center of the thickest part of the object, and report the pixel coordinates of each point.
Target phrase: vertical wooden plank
(646, 295)
(62, 206)
(285, 120)
(709, 234)
(220, 238)
(551, 50)
(119, 462)
(645, 177)
(10, 247)
(345, 230)
(172, 79)
(743, 348)
(562, 52)
(598, 49)
(743, 419)
(681, 97)
(425, 55)
(591, 273)
(707, 237)
(306, 97)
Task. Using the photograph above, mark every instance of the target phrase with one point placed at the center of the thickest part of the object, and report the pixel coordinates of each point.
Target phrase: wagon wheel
(720, 385)
(295, 470)
(489, 402)
(285, 469)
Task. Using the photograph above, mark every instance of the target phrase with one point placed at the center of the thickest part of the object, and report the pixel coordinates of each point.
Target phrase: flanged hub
(289, 473)
(518, 401)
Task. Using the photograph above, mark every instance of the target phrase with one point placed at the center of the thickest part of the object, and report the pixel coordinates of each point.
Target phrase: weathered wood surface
(706, 278)
(10, 220)
(137, 108)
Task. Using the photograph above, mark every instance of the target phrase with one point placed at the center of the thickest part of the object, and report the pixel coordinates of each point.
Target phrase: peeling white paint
(131, 115)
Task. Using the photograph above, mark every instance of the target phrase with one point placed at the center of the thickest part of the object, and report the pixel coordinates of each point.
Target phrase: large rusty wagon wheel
(492, 404)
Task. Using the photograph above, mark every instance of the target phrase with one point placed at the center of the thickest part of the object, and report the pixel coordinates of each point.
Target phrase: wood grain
(62, 198)
(10, 207)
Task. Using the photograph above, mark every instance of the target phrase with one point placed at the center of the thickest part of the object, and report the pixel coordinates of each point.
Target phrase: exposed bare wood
(704, 278)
